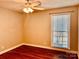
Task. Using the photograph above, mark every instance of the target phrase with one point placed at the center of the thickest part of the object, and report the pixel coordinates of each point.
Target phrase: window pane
(60, 27)
(55, 40)
(65, 34)
(65, 39)
(65, 46)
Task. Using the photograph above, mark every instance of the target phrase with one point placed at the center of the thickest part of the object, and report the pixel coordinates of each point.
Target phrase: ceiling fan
(32, 5)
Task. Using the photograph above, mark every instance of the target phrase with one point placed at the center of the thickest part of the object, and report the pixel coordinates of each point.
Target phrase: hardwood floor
(29, 52)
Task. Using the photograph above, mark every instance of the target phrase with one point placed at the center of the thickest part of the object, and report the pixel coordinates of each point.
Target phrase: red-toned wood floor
(29, 52)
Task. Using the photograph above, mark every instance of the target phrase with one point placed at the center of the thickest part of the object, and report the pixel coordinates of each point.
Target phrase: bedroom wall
(11, 28)
(78, 31)
(38, 27)
(35, 29)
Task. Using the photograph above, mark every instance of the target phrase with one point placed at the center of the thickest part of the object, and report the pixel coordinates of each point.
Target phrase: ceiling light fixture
(28, 10)
(30, 6)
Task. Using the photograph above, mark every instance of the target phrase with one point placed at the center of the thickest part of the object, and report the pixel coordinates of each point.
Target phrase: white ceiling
(17, 5)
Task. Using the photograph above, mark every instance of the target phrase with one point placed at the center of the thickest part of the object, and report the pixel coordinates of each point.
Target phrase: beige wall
(38, 27)
(78, 31)
(11, 28)
(35, 29)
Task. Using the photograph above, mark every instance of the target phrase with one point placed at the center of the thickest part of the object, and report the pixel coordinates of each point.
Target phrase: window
(60, 28)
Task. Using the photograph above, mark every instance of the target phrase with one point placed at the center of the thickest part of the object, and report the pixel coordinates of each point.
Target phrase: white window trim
(52, 44)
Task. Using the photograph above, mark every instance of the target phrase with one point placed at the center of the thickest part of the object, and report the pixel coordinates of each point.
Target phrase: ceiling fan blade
(39, 8)
(34, 4)
(24, 1)
(20, 1)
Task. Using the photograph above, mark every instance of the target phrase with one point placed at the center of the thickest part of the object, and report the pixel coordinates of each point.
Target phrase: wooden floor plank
(29, 52)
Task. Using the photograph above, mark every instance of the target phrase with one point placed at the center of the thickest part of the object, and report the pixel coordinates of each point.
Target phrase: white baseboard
(52, 48)
(4, 51)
